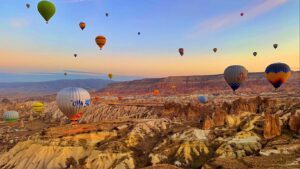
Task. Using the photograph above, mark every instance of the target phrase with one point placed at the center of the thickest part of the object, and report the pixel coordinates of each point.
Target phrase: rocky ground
(175, 132)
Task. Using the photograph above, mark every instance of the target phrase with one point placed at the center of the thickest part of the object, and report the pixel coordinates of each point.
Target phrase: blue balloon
(202, 99)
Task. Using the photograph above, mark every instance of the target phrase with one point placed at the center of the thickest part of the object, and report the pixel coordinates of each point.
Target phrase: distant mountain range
(30, 89)
(214, 84)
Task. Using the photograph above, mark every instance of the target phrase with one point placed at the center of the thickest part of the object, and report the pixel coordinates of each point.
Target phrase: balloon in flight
(65, 74)
(106, 14)
(72, 102)
(202, 99)
(75, 55)
(181, 51)
(100, 41)
(215, 49)
(46, 9)
(235, 76)
(254, 53)
(155, 92)
(275, 46)
(277, 74)
(10, 116)
(110, 76)
(38, 107)
(82, 25)
(242, 14)
(139, 33)
(28, 5)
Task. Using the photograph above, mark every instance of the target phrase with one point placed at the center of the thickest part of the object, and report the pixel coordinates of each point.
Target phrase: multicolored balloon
(100, 41)
(202, 99)
(72, 101)
(277, 74)
(82, 25)
(38, 107)
(235, 76)
(11, 116)
(46, 9)
(181, 51)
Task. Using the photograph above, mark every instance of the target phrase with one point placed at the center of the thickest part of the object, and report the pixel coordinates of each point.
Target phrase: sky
(31, 50)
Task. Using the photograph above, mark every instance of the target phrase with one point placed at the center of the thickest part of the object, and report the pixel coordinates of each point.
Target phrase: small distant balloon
(28, 5)
(100, 41)
(155, 92)
(110, 76)
(215, 50)
(254, 53)
(242, 14)
(181, 51)
(106, 14)
(202, 99)
(65, 73)
(46, 9)
(139, 33)
(82, 25)
(75, 55)
(275, 46)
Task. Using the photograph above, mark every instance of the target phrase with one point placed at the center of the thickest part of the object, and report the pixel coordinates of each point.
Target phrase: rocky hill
(255, 84)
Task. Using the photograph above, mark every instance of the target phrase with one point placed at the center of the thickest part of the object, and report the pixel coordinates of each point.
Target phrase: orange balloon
(100, 41)
(155, 92)
(82, 25)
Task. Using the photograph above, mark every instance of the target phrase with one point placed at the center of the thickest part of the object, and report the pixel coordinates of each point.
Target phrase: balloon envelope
(155, 92)
(100, 41)
(181, 51)
(28, 5)
(242, 14)
(254, 53)
(82, 25)
(11, 116)
(46, 9)
(202, 99)
(215, 50)
(38, 107)
(277, 74)
(72, 100)
(110, 76)
(235, 76)
(275, 46)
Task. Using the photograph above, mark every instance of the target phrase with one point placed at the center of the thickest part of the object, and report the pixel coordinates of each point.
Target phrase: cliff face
(256, 83)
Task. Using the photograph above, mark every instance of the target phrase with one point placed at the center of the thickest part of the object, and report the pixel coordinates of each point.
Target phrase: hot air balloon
(242, 14)
(202, 99)
(275, 46)
(110, 76)
(65, 73)
(100, 41)
(82, 25)
(139, 33)
(181, 51)
(106, 14)
(72, 101)
(38, 107)
(28, 5)
(11, 116)
(254, 53)
(215, 50)
(277, 74)
(46, 9)
(155, 92)
(235, 75)
(75, 55)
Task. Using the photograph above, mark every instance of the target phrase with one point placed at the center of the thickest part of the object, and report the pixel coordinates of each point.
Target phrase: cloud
(233, 18)
(19, 22)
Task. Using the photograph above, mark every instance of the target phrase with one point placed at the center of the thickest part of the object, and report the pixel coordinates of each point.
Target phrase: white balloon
(72, 100)
(10, 116)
